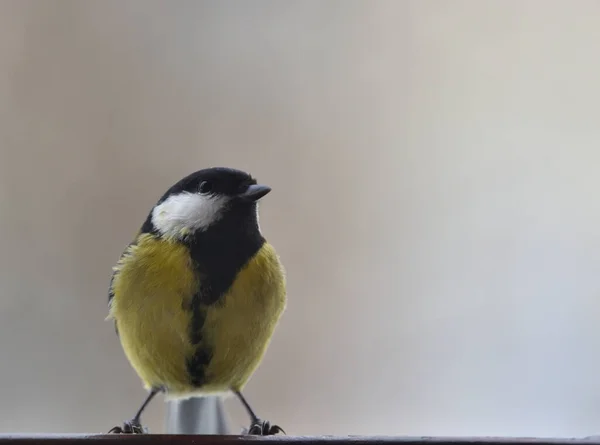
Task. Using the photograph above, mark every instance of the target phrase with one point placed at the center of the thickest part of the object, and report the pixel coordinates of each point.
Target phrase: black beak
(254, 192)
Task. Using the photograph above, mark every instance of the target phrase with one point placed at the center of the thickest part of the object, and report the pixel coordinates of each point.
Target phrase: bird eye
(205, 187)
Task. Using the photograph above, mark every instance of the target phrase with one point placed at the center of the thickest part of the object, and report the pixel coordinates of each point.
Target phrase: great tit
(196, 296)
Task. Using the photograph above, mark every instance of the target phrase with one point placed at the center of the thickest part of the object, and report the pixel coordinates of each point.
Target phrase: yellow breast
(153, 287)
(154, 280)
(241, 326)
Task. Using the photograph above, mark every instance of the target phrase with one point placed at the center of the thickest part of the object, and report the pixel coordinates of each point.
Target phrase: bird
(197, 295)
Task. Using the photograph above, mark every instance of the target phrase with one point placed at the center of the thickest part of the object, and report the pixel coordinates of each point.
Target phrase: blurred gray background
(435, 176)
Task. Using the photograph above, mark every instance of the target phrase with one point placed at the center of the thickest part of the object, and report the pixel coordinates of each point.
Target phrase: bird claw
(129, 427)
(264, 428)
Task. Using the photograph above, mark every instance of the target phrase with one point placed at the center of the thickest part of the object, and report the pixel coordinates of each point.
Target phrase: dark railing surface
(180, 439)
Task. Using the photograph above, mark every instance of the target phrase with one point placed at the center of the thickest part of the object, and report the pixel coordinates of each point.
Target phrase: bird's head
(205, 199)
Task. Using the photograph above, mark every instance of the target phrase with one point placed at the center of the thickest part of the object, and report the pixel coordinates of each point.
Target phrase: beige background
(436, 202)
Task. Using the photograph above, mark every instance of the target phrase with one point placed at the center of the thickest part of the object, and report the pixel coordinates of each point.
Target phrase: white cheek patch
(257, 219)
(181, 214)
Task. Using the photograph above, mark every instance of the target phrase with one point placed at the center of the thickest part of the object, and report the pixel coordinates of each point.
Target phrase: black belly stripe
(218, 254)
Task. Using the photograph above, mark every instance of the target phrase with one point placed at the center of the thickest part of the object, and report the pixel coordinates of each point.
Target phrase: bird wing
(111, 292)
(111, 295)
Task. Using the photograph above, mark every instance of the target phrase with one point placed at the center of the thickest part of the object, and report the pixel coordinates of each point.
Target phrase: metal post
(200, 415)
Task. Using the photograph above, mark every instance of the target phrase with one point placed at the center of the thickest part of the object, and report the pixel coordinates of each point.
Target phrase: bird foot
(129, 427)
(264, 428)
